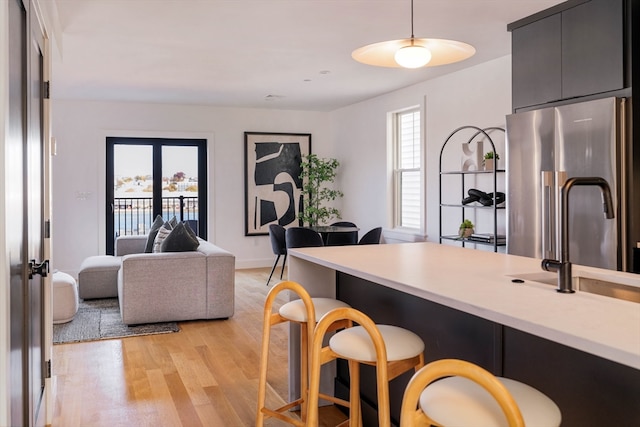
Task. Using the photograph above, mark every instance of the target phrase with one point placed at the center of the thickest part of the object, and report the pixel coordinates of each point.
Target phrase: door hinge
(46, 90)
(47, 369)
(47, 229)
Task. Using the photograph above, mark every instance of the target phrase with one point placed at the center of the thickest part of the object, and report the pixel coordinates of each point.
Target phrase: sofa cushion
(191, 231)
(162, 234)
(179, 240)
(157, 223)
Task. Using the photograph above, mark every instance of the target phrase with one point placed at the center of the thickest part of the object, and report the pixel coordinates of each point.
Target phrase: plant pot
(488, 164)
(465, 232)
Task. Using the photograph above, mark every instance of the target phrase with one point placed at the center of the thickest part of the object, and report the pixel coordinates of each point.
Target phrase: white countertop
(479, 283)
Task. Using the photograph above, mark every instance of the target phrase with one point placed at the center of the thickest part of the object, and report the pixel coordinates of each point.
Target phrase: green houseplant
(316, 174)
(466, 229)
(489, 161)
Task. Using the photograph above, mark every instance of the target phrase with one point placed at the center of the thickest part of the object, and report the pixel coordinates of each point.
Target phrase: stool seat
(458, 401)
(391, 349)
(453, 392)
(297, 312)
(355, 343)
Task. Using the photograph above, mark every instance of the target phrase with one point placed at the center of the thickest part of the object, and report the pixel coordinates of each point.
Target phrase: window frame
(397, 171)
(157, 143)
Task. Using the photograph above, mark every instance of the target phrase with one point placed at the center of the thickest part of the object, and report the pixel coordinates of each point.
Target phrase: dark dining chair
(279, 246)
(301, 237)
(340, 239)
(372, 237)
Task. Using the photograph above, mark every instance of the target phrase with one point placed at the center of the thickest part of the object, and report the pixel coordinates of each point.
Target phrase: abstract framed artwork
(273, 188)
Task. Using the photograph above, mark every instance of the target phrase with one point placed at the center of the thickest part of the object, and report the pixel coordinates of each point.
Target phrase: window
(407, 169)
(147, 177)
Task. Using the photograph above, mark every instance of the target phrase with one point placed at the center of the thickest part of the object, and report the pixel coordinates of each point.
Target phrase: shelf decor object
(471, 159)
(466, 229)
(490, 161)
(413, 52)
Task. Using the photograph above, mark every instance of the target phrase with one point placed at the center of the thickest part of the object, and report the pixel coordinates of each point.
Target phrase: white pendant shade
(385, 54)
(412, 56)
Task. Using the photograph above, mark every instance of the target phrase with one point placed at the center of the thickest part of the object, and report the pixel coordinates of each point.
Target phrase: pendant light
(413, 52)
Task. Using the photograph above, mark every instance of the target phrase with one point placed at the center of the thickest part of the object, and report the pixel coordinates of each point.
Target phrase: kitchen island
(581, 349)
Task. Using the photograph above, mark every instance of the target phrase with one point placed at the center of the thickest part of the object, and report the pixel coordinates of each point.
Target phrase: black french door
(147, 177)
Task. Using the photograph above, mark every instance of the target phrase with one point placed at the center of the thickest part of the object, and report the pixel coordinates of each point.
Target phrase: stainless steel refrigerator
(546, 147)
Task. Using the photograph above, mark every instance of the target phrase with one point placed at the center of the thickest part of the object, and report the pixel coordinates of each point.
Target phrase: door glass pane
(180, 184)
(133, 189)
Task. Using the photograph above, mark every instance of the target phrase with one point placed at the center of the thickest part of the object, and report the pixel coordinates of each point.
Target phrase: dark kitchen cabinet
(574, 51)
(537, 62)
(590, 390)
(592, 48)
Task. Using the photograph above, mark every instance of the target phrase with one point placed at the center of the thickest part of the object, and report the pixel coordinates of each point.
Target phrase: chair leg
(283, 264)
(273, 269)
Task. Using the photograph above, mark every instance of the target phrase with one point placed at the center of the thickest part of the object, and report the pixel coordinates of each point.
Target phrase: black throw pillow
(157, 223)
(179, 240)
(192, 233)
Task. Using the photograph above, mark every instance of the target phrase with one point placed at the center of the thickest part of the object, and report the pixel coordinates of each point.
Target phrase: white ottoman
(98, 277)
(65, 297)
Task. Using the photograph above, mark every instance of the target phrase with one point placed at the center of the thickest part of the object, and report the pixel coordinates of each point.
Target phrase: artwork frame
(273, 188)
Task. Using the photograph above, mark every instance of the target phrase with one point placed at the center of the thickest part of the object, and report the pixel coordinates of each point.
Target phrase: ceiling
(284, 54)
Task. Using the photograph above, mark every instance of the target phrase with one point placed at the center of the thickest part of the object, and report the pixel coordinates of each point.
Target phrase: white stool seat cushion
(458, 401)
(355, 343)
(65, 297)
(296, 312)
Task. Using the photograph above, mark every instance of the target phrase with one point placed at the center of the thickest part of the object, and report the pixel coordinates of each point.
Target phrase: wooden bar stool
(391, 349)
(470, 395)
(297, 311)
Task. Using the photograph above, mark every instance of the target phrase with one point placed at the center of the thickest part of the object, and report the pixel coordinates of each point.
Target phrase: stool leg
(264, 363)
(304, 370)
(384, 413)
(355, 410)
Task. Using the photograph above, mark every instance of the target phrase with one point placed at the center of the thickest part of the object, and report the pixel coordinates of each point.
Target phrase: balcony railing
(134, 215)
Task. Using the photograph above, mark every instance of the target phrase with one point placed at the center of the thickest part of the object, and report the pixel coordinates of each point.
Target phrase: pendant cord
(412, 37)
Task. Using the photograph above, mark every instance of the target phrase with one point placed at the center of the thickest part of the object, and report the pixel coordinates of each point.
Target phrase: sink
(607, 289)
(591, 285)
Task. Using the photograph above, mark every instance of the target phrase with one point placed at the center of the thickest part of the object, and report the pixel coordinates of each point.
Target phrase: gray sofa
(174, 286)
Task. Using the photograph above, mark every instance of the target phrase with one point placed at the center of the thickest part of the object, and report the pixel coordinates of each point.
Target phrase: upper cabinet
(537, 62)
(574, 49)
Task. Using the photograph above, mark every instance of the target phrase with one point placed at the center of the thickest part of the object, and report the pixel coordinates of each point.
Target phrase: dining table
(326, 230)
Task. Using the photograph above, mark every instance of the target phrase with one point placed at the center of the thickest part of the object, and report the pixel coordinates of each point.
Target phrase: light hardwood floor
(204, 375)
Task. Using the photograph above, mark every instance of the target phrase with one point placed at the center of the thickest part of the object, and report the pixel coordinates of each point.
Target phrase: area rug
(100, 319)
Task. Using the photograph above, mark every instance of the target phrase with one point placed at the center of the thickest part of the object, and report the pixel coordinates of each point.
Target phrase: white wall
(479, 96)
(80, 128)
(355, 135)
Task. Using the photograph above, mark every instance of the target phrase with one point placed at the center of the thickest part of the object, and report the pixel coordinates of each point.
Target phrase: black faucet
(563, 267)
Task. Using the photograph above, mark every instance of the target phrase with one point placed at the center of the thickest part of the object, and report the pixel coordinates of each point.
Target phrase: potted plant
(489, 162)
(466, 229)
(316, 174)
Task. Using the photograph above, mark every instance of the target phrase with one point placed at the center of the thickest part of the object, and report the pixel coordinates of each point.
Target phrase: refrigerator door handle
(548, 219)
(560, 178)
